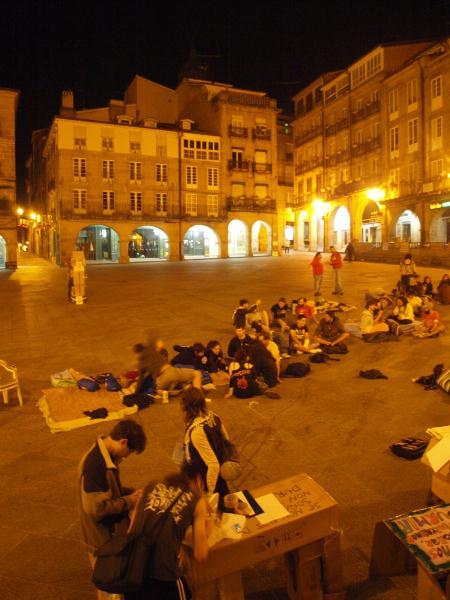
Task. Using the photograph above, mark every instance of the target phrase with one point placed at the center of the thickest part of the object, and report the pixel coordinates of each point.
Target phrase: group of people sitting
(410, 283)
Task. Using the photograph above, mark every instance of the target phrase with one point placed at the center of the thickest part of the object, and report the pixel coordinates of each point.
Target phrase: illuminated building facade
(162, 174)
(8, 216)
(371, 152)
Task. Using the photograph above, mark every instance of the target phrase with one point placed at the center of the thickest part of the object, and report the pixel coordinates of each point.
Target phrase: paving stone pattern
(332, 425)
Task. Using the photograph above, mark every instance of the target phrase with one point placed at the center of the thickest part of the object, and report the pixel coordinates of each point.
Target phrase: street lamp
(376, 194)
(20, 211)
(33, 216)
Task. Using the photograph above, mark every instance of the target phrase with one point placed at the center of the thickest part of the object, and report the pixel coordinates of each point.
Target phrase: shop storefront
(261, 239)
(201, 242)
(99, 243)
(237, 239)
(148, 243)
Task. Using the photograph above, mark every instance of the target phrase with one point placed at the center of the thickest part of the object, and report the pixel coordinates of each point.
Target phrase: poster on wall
(426, 534)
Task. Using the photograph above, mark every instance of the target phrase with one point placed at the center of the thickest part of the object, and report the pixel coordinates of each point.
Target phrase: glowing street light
(321, 208)
(33, 216)
(20, 211)
(376, 194)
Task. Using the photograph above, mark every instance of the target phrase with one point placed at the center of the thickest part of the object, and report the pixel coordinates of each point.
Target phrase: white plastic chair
(12, 381)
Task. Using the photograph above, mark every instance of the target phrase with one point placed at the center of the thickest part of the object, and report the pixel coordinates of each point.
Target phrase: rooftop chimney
(67, 108)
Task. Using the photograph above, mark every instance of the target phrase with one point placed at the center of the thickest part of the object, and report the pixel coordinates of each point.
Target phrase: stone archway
(3, 252)
(261, 239)
(440, 227)
(201, 241)
(99, 243)
(408, 227)
(371, 223)
(148, 243)
(341, 228)
(237, 238)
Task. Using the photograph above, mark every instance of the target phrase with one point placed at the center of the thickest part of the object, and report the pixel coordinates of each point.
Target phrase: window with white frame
(412, 134)
(79, 200)
(212, 205)
(375, 130)
(135, 172)
(437, 168)
(191, 204)
(161, 203)
(237, 190)
(411, 94)
(135, 202)
(107, 170)
(393, 103)
(213, 178)
(393, 141)
(79, 138)
(394, 176)
(161, 173)
(191, 176)
(436, 133)
(79, 169)
(436, 92)
(188, 149)
(213, 151)
(108, 198)
(375, 96)
(201, 150)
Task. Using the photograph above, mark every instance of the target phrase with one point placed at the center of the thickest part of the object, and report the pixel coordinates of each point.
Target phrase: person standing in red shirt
(317, 269)
(336, 263)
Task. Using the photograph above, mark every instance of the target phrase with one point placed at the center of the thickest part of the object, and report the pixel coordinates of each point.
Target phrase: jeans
(317, 283)
(337, 281)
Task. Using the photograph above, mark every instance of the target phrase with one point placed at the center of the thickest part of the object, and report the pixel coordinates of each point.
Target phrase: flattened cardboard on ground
(313, 516)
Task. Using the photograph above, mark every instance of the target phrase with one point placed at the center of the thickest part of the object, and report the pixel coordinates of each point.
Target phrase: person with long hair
(203, 440)
(317, 269)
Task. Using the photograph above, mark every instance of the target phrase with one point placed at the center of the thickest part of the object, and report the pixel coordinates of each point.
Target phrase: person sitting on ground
(444, 289)
(415, 301)
(263, 363)
(306, 309)
(241, 312)
(274, 350)
(299, 336)
(182, 497)
(153, 362)
(428, 287)
(407, 272)
(372, 319)
(279, 338)
(403, 312)
(330, 331)
(203, 440)
(215, 359)
(431, 325)
(190, 355)
(240, 340)
(243, 382)
(279, 314)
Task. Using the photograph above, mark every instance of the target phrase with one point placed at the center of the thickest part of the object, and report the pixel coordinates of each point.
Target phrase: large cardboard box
(440, 481)
(313, 516)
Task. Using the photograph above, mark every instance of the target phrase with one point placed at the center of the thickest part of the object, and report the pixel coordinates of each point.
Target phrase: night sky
(96, 47)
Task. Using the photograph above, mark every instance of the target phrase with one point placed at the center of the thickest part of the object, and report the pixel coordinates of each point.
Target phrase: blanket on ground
(63, 408)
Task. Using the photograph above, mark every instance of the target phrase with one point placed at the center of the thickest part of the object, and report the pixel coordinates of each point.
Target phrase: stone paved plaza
(332, 425)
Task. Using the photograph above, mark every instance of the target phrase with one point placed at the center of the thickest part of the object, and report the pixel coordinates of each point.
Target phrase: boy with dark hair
(279, 314)
(190, 355)
(240, 341)
(330, 331)
(241, 312)
(104, 505)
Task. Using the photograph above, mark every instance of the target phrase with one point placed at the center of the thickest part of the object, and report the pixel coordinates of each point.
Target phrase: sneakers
(285, 355)
(209, 386)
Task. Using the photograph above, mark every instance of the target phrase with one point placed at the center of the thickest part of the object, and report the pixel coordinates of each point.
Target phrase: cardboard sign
(426, 534)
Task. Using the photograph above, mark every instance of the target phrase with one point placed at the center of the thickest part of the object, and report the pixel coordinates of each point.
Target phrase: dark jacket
(215, 362)
(187, 356)
(235, 344)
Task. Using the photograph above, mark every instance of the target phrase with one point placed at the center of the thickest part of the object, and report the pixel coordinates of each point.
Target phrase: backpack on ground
(337, 349)
(297, 369)
(409, 448)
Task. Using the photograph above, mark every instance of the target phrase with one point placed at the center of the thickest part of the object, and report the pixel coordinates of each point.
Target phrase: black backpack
(121, 562)
(297, 369)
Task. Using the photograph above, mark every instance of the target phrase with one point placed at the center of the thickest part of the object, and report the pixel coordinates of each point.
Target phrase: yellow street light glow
(375, 194)
(303, 214)
(33, 216)
(20, 211)
(321, 208)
